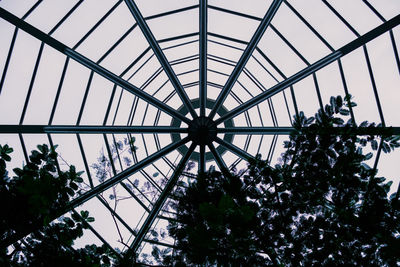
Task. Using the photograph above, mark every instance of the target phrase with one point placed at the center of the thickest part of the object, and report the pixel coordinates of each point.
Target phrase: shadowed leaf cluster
(30, 199)
(321, 205)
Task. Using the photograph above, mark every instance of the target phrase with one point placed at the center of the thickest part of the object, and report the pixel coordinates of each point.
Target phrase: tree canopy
(37, 192)
(321, 204)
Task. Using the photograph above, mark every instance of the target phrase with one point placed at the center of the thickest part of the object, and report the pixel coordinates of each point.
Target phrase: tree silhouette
(37, 192)
(321, 204)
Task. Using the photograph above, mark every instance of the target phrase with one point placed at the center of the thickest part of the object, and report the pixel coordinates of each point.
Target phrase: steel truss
(195, 121)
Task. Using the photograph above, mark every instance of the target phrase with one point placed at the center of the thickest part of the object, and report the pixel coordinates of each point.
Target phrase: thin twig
(112, 215)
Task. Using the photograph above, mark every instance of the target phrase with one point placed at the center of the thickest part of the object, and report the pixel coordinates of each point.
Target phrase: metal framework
(189, 90)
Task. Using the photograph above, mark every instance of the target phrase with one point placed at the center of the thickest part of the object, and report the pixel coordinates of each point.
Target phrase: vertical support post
(202, 159)
(203, 57)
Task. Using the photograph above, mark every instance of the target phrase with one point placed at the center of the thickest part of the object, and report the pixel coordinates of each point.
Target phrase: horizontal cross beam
(88, 129)
(289, 130)
(262, 130)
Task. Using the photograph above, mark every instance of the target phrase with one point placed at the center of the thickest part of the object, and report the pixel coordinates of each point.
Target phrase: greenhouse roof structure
(143, 94)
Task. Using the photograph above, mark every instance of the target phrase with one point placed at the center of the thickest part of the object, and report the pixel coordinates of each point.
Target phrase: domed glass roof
(142, 95)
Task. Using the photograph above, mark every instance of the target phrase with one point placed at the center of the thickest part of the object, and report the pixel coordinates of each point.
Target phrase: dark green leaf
(70, 191)
(338, 121)
(332, 101)
(69, 222)
(368, 156)
(339, 101)
(379, 179)
(84, 214)
(6, 157)
(154, 233)
(76, 217)
(344, 111)
(366, 166)
(374, 144)
(73, 185)
(385, 147)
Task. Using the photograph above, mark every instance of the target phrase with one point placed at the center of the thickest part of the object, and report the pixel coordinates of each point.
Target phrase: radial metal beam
(89, 129)
(239, 152)
(220, 162)
(88, 63)
(360, 41)
(127, 172)
(256, 130)
(161, 200)
(245, 56)
(289, 130)
(100, 188)
(203, 56)
(160, 56)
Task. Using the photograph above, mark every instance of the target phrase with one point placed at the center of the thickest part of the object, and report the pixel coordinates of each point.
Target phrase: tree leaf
(332, 101)
(368, 156)
(339, 101)
(73, 185)
(385, 147)
(344, 112)
(374, 144)
(84, 214)
(379, 179)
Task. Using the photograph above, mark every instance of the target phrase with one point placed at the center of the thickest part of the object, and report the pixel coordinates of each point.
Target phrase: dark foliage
(320, 205)
(30, 199)
(35, 192)
(52, 246)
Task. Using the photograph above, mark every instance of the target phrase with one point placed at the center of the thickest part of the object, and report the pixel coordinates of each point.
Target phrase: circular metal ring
(177, 123)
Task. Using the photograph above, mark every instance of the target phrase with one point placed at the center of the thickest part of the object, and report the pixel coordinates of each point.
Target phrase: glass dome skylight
(159, 90)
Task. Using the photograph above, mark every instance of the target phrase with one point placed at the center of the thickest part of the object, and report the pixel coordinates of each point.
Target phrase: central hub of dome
(202, 130)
